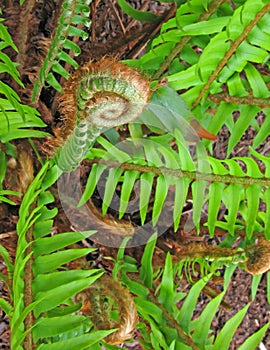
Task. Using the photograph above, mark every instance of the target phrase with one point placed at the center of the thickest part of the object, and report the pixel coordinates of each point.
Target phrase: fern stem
(213, 6)
(192, 175)
(245, 100)
(203, 250)
(28, 295)
(187, 340)
(230, 52)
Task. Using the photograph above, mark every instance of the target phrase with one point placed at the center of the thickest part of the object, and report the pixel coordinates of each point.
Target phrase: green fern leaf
(253, 201)
(256, 81)
(48, 245)
(128, 183)
(202, 324)
(50, 299)
(94, 176)
(166, 287)
(254, 340)
(225, 336)
(6, 307)
(162, 188)
(78, 343)
(136, 14)
(146, 184)
(247, 113)
(73, 13)
(48, 263)
(146, 273)
(215, 197)
(112, 181)
(187, 309)
(49, 327)
(181, 191)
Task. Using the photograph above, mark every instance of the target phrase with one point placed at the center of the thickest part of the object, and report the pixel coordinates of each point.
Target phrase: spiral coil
(97, 96)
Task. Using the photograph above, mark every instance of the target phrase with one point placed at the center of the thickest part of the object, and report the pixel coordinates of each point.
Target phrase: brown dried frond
(20, 171)
(109, 223)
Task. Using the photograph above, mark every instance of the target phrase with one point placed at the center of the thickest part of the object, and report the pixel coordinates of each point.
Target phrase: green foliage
(224, 73)
(213, 57)
(171, 327)
(52, 285)
(74, 14)
(15, 117)
(215, 182)
(136, 14)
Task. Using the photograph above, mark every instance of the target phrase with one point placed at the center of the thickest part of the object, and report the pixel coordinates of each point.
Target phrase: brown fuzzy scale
(68, 100)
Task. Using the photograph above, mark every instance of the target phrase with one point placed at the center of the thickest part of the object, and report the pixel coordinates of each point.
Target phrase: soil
(113, 34)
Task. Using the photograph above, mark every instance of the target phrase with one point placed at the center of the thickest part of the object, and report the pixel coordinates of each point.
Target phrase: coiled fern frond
(98, 96)
(98, 301)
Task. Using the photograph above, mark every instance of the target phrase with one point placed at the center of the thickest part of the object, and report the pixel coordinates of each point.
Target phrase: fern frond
(152, 165)
(41, 289)
(6, 65)
(215, 60)
(235, 30)
(15, 117)
(73, 13)
(170, 325)
(136, 14)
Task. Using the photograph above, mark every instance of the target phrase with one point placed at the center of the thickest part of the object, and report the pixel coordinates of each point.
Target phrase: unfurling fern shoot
(93, 303)
(98, 96)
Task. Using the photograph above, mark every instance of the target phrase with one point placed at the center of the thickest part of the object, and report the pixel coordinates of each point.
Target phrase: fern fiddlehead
(258, 257)
(94, 303)
(98, 96)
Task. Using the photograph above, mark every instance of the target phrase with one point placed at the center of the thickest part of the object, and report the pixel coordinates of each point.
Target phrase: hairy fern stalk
(208, 61)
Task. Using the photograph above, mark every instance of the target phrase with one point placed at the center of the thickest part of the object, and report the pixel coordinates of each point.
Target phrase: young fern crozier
(258, 257)
(94, 303)
(98, 96)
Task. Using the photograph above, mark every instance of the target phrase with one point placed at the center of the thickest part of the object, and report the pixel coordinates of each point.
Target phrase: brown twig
(112, 5)
(93, 7)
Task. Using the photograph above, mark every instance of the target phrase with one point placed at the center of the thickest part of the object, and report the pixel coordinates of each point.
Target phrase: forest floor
(113, 34)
